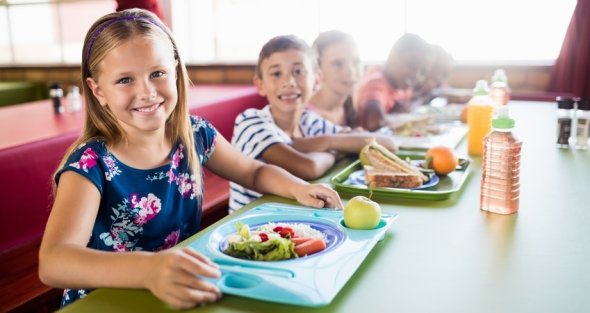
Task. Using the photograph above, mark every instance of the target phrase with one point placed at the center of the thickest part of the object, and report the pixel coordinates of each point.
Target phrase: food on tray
(441, 159)
(362, 213)
(380, 178)
(274, 242)
(414, 125)
(385, 169)
(309, 246)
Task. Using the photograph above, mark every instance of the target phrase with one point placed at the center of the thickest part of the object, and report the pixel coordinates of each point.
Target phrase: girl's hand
(317, 196)
(173, 276)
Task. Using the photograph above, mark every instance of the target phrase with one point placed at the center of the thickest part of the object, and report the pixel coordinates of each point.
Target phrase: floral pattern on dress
(208, 151)
(111, 164)
(141, 210)
(87, 160)
(176, 158)
(171, 240)
(184, 180)
(128, 220)
(197, 125)
(79, 294)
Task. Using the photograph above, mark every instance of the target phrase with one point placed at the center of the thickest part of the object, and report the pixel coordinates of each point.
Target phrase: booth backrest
(26, 167)
(26, 173)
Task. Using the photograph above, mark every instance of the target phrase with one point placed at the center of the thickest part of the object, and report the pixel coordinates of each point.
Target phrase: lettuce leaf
(274, 249)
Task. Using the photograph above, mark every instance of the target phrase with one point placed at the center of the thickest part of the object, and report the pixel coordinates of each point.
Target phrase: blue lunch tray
(312, 280)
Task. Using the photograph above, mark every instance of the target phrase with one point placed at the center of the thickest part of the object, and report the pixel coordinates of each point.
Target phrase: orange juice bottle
(479, 117)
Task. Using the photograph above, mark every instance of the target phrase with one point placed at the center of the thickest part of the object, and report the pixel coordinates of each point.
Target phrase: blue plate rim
(332, 241)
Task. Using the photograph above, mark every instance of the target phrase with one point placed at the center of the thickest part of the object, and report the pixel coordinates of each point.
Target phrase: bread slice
(387, 162)
(384, 178)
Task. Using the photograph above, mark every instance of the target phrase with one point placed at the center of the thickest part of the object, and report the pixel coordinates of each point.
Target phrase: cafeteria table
(449, 256)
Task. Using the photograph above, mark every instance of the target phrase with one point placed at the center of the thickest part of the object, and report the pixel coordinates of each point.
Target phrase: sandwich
(385, 169)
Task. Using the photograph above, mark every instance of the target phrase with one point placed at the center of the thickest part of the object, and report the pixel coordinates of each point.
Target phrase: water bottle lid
(584, 104)
(481, 88)
(502, 120)
(55, 85)
(499, 76)
(565, 103)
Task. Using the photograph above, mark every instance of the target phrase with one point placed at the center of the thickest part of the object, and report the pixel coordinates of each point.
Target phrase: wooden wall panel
(520, 78)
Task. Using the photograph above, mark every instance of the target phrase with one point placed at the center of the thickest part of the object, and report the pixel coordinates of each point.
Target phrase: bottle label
(582, 134)
(56, 93)
(564, 129)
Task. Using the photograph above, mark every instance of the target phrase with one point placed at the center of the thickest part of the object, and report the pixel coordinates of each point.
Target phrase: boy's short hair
(284, 43)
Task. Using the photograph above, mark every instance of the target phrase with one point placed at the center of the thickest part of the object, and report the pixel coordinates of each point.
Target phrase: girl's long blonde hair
(99, 122)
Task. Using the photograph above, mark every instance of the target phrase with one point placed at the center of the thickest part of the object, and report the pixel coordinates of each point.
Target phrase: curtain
(571, 73)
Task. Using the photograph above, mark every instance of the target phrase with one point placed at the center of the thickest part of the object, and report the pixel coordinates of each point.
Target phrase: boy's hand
(318, 196)
(348, 130)
(173, 276)
(387, 142)
(338, 155)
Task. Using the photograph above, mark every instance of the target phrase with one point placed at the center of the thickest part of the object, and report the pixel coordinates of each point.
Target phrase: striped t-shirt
(255, 131)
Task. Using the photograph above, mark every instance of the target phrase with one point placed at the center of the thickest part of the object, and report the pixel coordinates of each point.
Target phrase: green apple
(362, 213)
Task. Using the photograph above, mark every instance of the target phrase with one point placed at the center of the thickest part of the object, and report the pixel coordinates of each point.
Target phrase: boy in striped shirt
(285, 133)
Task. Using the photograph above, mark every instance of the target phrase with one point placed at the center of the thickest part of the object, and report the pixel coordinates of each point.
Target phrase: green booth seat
(22, 92)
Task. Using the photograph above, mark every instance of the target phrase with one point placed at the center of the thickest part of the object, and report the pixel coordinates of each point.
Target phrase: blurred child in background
(285, 132)
(339, 70)
(388, 90)
(436, 77)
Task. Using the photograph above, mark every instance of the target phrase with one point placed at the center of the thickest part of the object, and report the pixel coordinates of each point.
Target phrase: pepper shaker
(565, 107)
(56, 93)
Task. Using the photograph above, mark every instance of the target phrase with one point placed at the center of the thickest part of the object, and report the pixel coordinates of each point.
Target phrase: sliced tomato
(285, 232)
(277, 229)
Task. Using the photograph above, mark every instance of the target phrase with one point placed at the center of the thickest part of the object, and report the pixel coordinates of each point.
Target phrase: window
(471, 30)
(46, 32)
(232, 31)
(499, 30)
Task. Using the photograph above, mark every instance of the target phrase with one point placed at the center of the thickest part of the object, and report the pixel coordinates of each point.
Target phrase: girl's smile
(149, 109)
(137, 82)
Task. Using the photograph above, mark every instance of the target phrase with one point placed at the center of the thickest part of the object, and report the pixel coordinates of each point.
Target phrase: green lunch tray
(442, 190)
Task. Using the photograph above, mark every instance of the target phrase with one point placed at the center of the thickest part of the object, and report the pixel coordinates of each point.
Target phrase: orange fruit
(463, 116)
(441, 159)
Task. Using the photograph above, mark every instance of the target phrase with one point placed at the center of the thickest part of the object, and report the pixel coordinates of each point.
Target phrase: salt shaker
(74, 102)
(583, 124)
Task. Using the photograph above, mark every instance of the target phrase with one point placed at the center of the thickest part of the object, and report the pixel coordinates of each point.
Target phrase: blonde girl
(130, 187)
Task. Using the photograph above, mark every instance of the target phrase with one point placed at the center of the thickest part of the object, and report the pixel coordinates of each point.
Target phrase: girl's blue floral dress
(142, 210)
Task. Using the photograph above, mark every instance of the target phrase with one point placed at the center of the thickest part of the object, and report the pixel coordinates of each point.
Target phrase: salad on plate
(274, 241)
